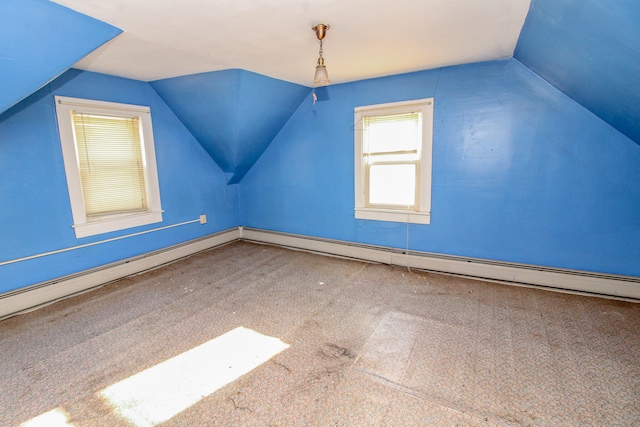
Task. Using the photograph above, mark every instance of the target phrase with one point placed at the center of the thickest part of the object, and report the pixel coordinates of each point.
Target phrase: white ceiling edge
(166, 38)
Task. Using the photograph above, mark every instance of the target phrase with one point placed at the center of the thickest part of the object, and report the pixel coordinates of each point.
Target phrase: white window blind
(111, 163)
(393, 133)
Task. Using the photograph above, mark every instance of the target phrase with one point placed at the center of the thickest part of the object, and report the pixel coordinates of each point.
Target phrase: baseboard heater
(563, 280)
(558, 279)
(44, 293)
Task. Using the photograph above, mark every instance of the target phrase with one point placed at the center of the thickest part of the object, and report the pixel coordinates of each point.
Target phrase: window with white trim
(393, 144)
(110, 163)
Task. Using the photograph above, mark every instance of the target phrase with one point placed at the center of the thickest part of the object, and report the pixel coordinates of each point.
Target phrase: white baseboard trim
(605, 285)
(35, 296)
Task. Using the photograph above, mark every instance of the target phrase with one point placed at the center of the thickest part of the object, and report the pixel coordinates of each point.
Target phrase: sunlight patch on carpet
(159, 393)
(54, 418)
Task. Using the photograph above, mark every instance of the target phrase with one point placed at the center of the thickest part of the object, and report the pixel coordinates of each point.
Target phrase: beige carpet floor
(360, 345)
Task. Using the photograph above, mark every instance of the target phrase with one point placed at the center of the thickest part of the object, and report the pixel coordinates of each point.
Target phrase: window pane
(392, 185)
(401, 132)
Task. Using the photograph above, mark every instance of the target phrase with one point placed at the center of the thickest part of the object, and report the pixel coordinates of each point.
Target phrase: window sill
(114, 224)
(393, 215)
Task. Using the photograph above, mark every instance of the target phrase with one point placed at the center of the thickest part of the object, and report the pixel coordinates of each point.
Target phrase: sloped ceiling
(590, 50)
(234, 114)
(39, 40)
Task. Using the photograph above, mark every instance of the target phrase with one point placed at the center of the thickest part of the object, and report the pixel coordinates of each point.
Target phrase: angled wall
(521, 172)
(234, 114)
(590, 50)
(39, 40)
(36, 215)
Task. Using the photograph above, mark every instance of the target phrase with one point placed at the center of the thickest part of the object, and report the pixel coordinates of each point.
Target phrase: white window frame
(82, 225)
(421, 214)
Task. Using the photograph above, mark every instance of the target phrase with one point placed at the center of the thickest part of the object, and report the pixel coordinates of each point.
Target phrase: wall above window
(39, 40)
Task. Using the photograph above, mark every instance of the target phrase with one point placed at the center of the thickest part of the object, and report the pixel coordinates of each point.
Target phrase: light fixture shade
(322, 77)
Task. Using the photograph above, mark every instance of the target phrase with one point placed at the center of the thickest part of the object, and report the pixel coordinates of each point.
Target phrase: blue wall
(521, 172)
(35, 215)
(39, 40)
(234, 114)
(590, 50)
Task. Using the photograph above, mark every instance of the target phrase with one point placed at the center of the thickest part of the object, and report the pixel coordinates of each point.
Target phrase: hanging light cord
(321, 62)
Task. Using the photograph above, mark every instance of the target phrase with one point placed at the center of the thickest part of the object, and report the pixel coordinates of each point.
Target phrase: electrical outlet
(203, 219)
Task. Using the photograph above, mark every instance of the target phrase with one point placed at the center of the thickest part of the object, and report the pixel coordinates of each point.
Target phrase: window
(110, 164)
(393, 161)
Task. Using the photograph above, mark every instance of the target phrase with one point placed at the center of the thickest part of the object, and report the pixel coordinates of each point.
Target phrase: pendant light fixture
(321, 77)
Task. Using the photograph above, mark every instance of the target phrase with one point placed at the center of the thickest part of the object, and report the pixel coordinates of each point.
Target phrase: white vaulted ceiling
(368, 38)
